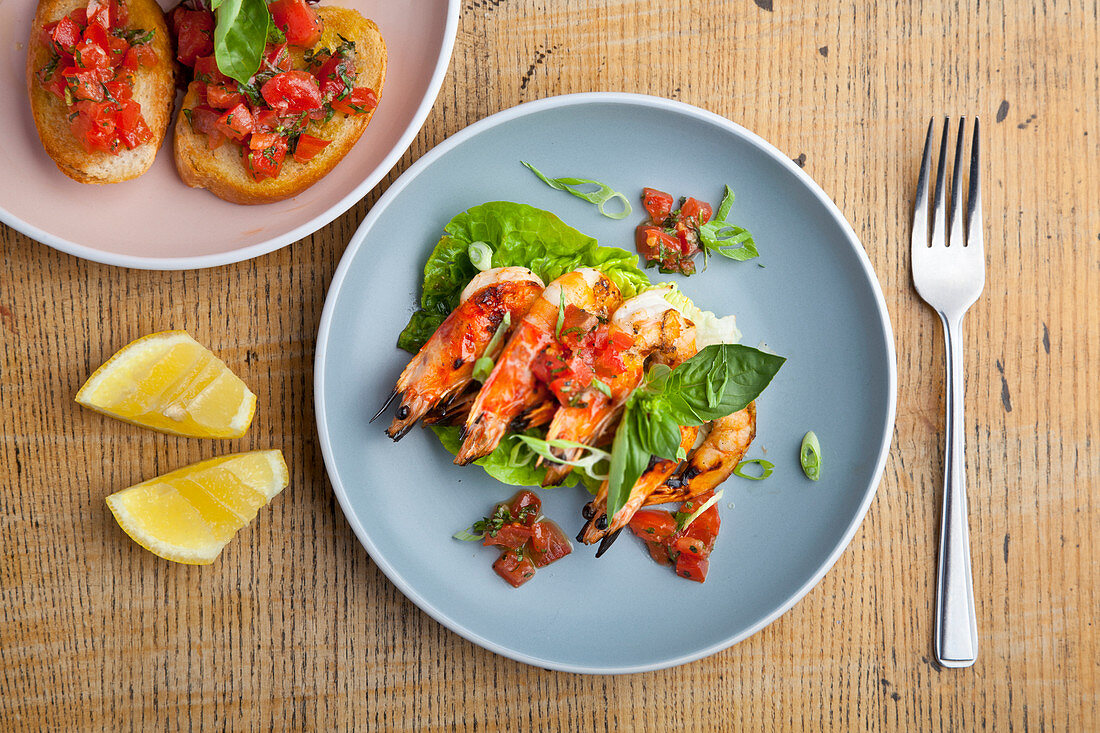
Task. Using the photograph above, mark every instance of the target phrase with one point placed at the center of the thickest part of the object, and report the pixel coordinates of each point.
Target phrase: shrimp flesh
(511, 387)
(444, 366)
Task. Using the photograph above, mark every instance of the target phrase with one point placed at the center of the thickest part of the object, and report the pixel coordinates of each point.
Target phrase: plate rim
(487, 123)
(326, 217)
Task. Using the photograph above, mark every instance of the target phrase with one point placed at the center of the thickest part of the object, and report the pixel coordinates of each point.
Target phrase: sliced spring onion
(766, 468)
(599, 197)
(706, 505)
(467, 536)
(481, 255)
(561, 315)
(483, 367)
(586, 463)
(810, 456)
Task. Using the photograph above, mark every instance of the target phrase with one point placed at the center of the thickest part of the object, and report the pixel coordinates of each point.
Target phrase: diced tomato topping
(359, 101)
(194, 32)
(66, 33)
(131, 125)
(266, 162)
(654, 243)
(292, 91)
(331, 76)
(525, 507)
(223, 96)
(697, 211)
(308, 147)
(690, 547)
(298, 21)
(277, 57)
(512, 536)
(692, 567)
(236, 123)
(657, 203)
(206, 70)
(548, 543)
(515, 567)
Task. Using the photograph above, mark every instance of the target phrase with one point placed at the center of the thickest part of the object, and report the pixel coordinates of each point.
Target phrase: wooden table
(295, 627)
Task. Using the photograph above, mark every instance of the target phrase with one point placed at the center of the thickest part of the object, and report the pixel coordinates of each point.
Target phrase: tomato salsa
(94, 57)
(296, 86)
(585, 356)
(527, 540)
(688, 548)
(670, 239)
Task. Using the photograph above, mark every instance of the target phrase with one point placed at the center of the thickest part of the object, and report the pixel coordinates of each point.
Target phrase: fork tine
(974, 196)
(938, 219)
(955, 235)
(920, 208)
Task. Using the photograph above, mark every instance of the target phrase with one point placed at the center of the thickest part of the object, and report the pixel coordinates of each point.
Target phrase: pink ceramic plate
(155, 221)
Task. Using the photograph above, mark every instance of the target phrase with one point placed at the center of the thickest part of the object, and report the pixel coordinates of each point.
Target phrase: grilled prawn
(444, 366)
(656, 329)
(511, 388)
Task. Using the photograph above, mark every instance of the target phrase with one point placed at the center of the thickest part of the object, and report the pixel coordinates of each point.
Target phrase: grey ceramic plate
(816, 301)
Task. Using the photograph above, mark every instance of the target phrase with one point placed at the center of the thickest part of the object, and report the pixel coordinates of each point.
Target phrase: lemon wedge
(190, 514)
(171, 383)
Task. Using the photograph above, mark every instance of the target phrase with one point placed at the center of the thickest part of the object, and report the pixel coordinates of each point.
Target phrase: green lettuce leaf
(512, 462)
(519, 235)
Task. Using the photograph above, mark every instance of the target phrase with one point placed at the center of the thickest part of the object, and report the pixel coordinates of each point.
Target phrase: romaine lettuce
(519, 235)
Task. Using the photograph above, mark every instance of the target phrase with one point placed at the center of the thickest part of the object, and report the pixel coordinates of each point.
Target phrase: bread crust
(154, 90)
(221, 171)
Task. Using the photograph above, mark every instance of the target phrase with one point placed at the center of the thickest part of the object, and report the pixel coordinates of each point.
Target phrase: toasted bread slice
(154, 90)
(221, 171)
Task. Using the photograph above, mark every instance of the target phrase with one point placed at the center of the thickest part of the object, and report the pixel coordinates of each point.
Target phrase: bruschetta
(101, 80)
(318, 84)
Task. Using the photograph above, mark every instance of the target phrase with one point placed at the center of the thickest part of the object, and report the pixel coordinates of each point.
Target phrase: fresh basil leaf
(628, 462)
(662, 437)
(746, 372)
(519, 235)
(240, 35)
(723, 238)
(725, 206)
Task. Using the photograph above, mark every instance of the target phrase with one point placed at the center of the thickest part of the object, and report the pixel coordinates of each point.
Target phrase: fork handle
(956, 622)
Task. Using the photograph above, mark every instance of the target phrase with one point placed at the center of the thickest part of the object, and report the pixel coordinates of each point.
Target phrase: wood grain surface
(295, 628)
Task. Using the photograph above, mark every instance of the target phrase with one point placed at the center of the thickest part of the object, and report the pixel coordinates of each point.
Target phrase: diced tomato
(657, 203)
(223, 96)
(654, 243)
(548, 543)
(332, 73)
(194, 32)
(696, 211)
(308, 147)
(706, 525)
(525, 507)
(236, 123)
(99, 13)
(360, 101)
(298, 21)
(659, 552)
(513, 536)
(117, 48)
(84, 84)
(620, 340)
(692, 567)
(204, 120)
(66, 33)
(549, 365)
(266, 162)
(277, 57)
(653, 525)
(132, 129)
(292, 91)
(515, 567)
(206, 70)
(95, 127)
(140, 55)
(92, 55)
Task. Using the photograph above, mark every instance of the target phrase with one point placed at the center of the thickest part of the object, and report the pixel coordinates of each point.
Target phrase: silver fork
(949, 273)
